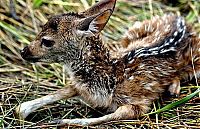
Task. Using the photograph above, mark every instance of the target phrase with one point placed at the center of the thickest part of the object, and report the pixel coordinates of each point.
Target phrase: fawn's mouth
(31, 59)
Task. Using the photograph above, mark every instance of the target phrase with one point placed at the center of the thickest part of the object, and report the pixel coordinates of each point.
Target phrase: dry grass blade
(20, 81)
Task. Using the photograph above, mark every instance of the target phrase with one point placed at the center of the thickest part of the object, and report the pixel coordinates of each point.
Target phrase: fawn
(153, 56)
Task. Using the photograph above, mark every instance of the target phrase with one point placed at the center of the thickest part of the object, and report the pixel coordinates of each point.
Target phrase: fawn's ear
(99, 7)
(91, 26)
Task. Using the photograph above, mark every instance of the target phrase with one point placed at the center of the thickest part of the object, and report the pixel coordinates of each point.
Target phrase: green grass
(22, 81)
(176, 103)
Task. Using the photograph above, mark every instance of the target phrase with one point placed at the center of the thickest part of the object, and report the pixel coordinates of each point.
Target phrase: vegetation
(21, 81)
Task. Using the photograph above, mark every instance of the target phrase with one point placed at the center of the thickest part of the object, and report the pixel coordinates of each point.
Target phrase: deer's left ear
(99, 7)
(91, 26)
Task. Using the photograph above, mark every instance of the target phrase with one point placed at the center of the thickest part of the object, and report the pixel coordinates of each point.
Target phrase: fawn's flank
(153, 56)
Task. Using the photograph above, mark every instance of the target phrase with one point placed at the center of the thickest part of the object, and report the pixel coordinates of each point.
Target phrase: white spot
(131, 61)
(148, 88)
(154, 53)
(145, 27)
(167, 28)
(180, 29)
(137, 35)
(137, 25)
(149, 27)
(171, 40)
(131, 78)
(47, 38)
(180, 40)
(166, 44)
(175, 33)
(167, 50)
(154, 48)
(115, 61)
(143, 55)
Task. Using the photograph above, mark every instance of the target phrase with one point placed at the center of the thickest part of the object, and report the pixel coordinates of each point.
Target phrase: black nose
(25, 52)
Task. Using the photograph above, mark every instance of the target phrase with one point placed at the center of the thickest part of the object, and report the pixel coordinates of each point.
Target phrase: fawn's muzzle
(27, 55)
(25, 52)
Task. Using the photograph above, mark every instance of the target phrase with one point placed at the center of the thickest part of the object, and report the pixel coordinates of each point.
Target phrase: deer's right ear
(99, 7)
(91, 26)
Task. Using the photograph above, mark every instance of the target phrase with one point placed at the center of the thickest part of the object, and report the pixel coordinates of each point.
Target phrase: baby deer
(155, 55)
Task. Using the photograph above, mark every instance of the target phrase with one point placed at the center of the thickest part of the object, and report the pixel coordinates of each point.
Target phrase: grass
(21, 81)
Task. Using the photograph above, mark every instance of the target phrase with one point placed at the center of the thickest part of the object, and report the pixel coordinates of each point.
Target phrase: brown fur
(112, 79)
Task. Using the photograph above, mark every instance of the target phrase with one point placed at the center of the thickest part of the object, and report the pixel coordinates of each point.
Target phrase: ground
(21, 81)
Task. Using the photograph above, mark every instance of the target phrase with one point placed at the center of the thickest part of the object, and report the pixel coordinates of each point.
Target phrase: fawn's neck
(95, 68)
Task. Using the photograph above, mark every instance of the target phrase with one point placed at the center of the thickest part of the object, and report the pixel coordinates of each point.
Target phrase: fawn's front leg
(24, 109)
(122, 113)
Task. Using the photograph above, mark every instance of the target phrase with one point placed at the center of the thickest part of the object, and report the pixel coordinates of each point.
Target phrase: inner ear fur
(94, 24)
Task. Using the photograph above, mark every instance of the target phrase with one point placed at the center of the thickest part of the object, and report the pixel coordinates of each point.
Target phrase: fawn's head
(62, 36)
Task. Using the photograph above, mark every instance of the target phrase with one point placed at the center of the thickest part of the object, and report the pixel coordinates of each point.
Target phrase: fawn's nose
(25, 53)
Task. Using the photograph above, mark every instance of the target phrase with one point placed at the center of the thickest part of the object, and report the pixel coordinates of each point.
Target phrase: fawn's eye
(47, 43)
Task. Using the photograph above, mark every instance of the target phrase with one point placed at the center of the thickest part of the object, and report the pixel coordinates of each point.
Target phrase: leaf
(1, 122)
(175, 104)
(14, 31)
(37, 3)
(191, 17)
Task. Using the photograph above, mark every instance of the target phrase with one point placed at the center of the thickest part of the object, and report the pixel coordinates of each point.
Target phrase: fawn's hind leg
(24, 109)
(174, 88)
(186, 74)
(123, 112)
